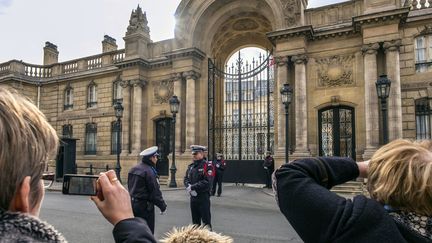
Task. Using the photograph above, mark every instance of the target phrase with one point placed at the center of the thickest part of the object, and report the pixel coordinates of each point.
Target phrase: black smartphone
(79, 184)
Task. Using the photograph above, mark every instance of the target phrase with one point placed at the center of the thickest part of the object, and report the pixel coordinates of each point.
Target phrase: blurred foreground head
(195, 234)
(400, 175)
(28, 141)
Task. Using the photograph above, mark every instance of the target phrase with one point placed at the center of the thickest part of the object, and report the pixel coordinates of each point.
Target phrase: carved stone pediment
(163, 90)
(335, 71)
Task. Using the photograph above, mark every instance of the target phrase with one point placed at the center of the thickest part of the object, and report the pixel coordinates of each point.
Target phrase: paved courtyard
(247, 214)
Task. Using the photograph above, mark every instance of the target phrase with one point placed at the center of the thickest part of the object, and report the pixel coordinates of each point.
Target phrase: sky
(77, 27)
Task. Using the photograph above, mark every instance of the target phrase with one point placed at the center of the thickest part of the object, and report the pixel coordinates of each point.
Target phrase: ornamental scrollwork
(163, 90)
(335, 71)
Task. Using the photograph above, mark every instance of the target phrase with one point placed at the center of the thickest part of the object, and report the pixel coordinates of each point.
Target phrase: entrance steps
(349, 189)
(163, 180)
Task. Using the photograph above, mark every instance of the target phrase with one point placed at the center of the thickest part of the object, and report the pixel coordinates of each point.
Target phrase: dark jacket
(132, 230)
(143, 184)
(269, 163)
(199, 177)
(318, 215)
(18, 227)
(220, 165)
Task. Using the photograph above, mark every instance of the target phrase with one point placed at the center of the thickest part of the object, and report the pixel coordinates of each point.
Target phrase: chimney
(108, 44)
(50, 53)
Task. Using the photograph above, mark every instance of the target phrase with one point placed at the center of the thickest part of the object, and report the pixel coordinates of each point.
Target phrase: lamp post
(174, 106)
(118, 108)
(383, 91)
(286, 96)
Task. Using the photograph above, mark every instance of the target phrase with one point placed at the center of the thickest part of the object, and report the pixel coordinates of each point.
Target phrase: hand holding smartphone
(80, 184)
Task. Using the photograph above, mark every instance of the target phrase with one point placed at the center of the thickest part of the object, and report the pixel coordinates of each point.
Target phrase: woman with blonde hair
(399, 183)
(28, 141)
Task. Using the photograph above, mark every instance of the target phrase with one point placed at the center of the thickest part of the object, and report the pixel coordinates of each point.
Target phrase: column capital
(300, 59)
(281, 60)
(191, 75)
(124, 83)
(176, 76)
(392, 45)
(371, 48)
(138, 83)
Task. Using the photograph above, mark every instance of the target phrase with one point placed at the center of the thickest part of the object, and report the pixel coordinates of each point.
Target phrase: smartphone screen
(80, 184)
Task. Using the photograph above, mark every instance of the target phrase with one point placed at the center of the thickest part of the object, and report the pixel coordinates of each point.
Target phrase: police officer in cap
(198, 182)
(143, 185)
(220, 168)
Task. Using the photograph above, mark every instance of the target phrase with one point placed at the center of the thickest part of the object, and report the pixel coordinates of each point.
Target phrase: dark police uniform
(269, 167)
(220, 166)
(144, 189)
(199, 175)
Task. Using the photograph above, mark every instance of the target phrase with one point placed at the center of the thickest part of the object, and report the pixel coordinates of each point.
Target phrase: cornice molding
(185, 53)
(306, 31)
(400, 14)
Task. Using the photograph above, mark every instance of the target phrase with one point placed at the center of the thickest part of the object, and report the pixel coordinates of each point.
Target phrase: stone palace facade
(331, 55)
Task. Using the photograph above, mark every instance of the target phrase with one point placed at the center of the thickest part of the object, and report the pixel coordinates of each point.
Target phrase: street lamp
(118, 108)
(286, 96)
(174, 106)
(383, 91)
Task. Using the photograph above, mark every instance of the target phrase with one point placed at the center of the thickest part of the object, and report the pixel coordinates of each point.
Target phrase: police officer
(220, 165)
(198, 181)
(143, 185)
(269, 168)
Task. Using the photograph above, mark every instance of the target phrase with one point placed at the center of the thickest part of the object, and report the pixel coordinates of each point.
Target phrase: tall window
(423, 118)
(68, 98)
(115, 130)
(91, 95)
(67, 131)
(90, 138)
(117, 92)
(423, 53)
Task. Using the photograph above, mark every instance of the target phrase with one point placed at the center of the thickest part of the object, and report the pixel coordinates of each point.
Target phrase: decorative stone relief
(124, 83)
(138, 22)
(335, 71)
(163, 90)
(427, 30)
(245, 25)
(291, 11)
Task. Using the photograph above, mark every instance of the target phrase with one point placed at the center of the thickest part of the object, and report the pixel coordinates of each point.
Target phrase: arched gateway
(331, 56)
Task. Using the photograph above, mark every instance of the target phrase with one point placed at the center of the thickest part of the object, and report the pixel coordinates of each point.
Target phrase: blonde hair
(27, 142)
(195, 234)
(400, 175)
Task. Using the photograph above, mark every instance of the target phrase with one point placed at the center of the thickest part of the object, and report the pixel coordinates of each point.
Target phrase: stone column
(126, 121)
(395, 101)
(301, 122)
(137, 115)
(371, 100)
(191, 79)
(282, 78)
(178, 79)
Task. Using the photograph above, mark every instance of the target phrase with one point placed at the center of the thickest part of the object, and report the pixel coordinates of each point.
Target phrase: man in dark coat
(198, 181)
(220, 166)
(269, 168)
(143, 185)
(319, 215)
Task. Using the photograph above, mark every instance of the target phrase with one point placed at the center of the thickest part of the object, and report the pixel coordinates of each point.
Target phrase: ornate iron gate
(337, 131)
(241, 116)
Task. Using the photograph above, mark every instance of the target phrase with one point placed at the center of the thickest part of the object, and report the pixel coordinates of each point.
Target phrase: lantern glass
(174, 104)
(118, 108)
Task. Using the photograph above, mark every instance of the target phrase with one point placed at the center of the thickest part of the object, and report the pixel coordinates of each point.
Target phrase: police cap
(197, 148)
(219, 155)
(152, 151)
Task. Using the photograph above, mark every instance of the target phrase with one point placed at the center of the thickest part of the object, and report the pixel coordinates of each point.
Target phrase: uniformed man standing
(269, 168)
(220, 165)
(198, 181)
(143, 185)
